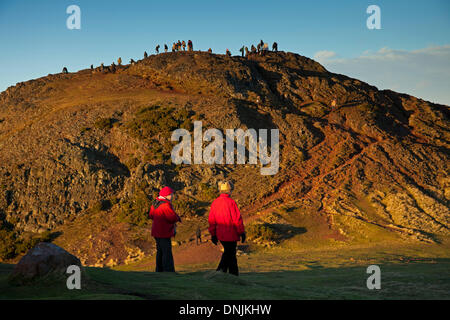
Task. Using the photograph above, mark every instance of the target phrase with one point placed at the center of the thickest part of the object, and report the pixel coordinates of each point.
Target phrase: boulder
(44, 260)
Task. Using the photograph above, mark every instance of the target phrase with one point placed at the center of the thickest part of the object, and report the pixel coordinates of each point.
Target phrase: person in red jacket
(163, 229)
(226, 226)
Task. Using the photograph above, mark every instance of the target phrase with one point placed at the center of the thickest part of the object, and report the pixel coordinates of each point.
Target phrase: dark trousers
(164, 258)
(228, 262)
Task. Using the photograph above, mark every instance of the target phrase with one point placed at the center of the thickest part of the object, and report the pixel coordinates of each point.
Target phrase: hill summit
(83, 153)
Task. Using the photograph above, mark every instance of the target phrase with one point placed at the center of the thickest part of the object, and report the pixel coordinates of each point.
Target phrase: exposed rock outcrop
(44, 260)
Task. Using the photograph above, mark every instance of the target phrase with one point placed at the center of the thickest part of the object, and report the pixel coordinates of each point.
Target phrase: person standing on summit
(275, 47)
(242, 50)
(226, 225)
(163, 229)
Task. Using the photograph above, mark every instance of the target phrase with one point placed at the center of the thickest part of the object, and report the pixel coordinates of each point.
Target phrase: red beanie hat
(165, 191)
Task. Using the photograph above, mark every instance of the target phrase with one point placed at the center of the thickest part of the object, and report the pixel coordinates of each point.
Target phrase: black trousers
(228, 262)
(164, 258)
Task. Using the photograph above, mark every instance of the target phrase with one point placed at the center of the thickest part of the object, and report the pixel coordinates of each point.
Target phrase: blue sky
(411, 52)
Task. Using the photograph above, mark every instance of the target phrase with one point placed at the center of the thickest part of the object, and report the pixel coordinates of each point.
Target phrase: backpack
(157, 203)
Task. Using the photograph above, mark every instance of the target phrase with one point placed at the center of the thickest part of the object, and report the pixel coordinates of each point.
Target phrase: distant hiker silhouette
(226, 226)
(198, 235)
(210, 50)
(64, 70)
(119, 61)
(113, 67)
(246, 52)
(242, 50)
(166, 48)
(146, 54)
(260, 47)
(228, 53)
(190, 46)
(275, 47)
(157, 49)
(265, 49)
(103, 68)
(163, 229)
(183, 44)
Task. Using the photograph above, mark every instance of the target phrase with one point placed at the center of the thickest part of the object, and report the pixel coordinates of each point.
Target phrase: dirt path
(191, 253)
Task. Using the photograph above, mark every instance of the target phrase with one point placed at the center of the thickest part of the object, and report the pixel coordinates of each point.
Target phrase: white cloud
(324, 55)
(424, 73)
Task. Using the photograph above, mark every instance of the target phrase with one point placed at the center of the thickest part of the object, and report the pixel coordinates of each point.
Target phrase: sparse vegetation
(8, 242)
(104, 123)
(132, 163)
(153, 120)
(208, 192)
(155, 124)
(135, 210)
(12, 245)
(101, 205)
(262, 231)
(188, 207)
(84, 130)
(26, 244)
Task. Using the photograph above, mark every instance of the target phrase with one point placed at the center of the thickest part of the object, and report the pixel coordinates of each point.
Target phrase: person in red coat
(226, 226)
(163, 229)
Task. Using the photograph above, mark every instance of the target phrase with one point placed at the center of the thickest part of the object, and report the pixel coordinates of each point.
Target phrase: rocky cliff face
(348, 149)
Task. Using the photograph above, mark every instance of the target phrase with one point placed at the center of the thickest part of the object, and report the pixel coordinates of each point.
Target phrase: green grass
(399, 281)
(408, 271)
(304, 264)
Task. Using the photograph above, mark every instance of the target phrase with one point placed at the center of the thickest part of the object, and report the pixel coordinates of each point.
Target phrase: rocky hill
(86, 149)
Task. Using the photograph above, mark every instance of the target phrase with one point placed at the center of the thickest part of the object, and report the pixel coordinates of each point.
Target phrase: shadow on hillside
(287, 231)
(277, 231)
(52, 236)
